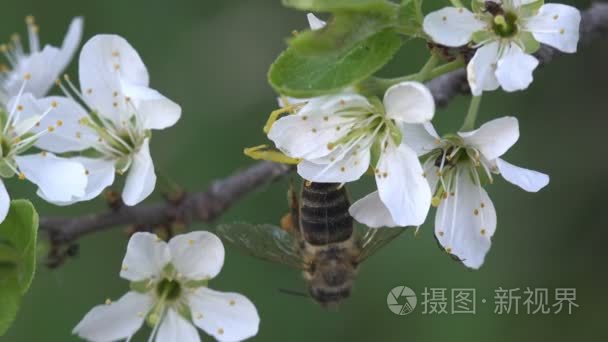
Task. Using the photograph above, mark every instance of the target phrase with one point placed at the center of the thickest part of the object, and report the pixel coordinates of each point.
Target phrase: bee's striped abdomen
(324, 216)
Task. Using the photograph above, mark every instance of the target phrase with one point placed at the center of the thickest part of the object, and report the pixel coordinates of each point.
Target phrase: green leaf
(342, 32)
(10, 297)
(18, 235)
(338, 5)
(298, 75)
(410, 17)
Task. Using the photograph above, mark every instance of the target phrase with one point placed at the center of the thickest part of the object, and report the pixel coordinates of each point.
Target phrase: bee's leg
(262, 152)
(274, 115)
(290, 221)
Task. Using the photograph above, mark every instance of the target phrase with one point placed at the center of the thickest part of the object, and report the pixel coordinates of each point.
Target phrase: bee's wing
(263, 241)
(373, 239)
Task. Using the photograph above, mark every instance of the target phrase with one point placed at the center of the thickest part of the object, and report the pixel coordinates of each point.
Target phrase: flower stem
(169, 187)
(377, 85)
(469, 120)
(422, 75)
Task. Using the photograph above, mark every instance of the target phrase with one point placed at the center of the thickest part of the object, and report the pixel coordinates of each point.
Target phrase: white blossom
(457, 167)
(505, 34)
(42, 65)
(338, 137)
(58, 179)
(115, 116)
(169, 291)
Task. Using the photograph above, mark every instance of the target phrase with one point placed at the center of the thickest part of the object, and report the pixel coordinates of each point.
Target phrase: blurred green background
(211, 56)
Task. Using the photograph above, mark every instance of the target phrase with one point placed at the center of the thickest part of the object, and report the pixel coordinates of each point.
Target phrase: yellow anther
(482, 232)
(20, 108)
(435, 201)
(51, 129)
(59, 123)
(220, 331)
(54, 104)
(191, 242)
(27, 76)
(108, 301)
(21, 176)
(30, 20)
(232, 302)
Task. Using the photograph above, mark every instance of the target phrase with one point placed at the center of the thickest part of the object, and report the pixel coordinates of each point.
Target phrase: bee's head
(331, 280)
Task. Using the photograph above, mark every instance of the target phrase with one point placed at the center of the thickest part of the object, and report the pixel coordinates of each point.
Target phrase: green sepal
(122, 164)
(193, 284)
(477, 6)
(482, 36)
(142, 286)
(529, 44)
(531, 9)
(409, 21)
(394, 132)
(297, 75)
(184, 311)
(342, 32)
(6, 171)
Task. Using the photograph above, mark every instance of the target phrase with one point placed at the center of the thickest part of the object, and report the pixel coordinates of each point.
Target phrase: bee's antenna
(294, 293)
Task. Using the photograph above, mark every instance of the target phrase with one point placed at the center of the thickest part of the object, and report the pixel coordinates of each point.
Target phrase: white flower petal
(70, 43)
(69, 135)
(197, 255)
(481, 69)
(529, 180)
(116, 321)
(422, 138)
(402, 186)
(100, 175)
(41, 70)
(225, 316)
(157, 111)
(106, 61)
(409, 102)
(307, 136)
(370, 211)
(146, 257)
(5, 201)
(466, 221)
(26, 115)
(141, 178)
(556, 25)
(347, 167)
(514, 69)
(174, 328)
(493, 138)
(314, 22)
(59, 179)
(452, 26)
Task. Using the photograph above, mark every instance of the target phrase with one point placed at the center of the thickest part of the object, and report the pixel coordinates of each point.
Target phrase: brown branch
(594, 25)
(203, 206)
(209, 204)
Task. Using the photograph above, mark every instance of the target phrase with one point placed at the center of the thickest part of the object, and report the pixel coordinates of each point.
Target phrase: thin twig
(207, 205)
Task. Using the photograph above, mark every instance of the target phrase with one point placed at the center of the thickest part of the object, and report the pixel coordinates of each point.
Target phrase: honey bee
(318, 237)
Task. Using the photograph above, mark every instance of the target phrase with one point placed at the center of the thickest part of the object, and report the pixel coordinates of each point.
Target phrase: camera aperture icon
(401, 300)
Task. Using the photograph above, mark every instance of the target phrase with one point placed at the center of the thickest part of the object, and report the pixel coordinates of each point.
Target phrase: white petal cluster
(171, 294)
(339, 137)
(40, 65)
(504, 34)
(457, 167)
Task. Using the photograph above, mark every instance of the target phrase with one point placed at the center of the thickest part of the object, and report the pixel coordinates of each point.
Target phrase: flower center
(170, 289)
(505, 24)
